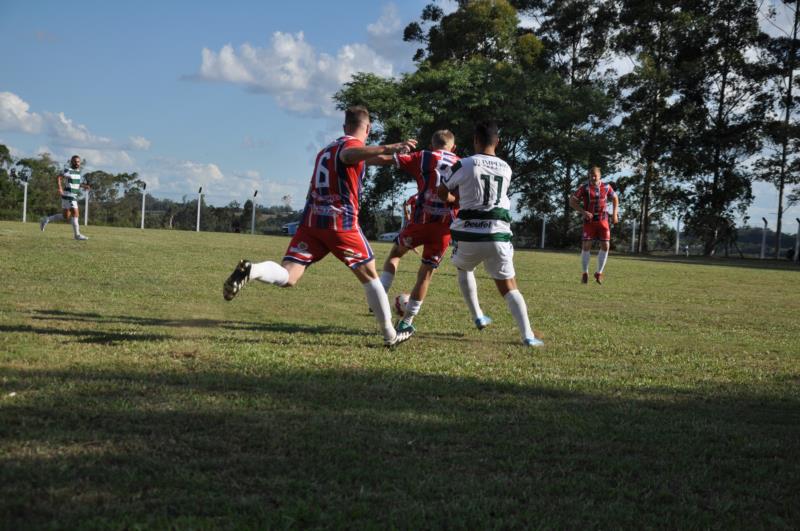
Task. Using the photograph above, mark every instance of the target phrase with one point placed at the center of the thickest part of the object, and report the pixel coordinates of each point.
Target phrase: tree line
(685, 102)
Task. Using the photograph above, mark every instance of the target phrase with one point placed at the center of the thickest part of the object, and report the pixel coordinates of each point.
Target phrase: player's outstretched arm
(380, 160)
(355, 155)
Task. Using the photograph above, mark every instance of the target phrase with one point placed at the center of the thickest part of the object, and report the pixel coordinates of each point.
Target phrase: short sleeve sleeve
(452, 178)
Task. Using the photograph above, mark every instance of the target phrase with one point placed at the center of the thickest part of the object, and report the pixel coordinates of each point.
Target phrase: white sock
(55, 217)
(75, 227)
(469, 289)
(518, 308)
(386, 280)
(602, 256)
(585, 255)
(379, 302)
(412, 309)
(269, 273)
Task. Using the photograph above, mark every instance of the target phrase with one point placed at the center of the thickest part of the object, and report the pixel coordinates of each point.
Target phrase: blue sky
(232, 97)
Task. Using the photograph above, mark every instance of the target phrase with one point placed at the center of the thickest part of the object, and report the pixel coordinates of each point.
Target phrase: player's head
(356, 122)
(443, 139)
(486, 135)
(75, 162)
(594, 174)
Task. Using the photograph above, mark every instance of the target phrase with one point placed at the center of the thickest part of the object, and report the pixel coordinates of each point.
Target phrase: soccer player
(482, 229)
(69, 185)
(429, 223)
(330, 223)
(591, 200)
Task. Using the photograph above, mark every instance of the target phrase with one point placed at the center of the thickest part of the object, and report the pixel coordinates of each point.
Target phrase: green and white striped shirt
(70, 183)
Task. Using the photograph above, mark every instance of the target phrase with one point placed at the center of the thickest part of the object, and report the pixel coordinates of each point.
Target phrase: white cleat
(405, 335)
(81, 237)
(532, 342)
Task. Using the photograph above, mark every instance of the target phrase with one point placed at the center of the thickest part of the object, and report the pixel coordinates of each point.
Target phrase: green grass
(132, 395)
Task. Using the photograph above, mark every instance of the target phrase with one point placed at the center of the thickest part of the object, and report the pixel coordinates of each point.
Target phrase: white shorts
(67, 204)
(497, 258)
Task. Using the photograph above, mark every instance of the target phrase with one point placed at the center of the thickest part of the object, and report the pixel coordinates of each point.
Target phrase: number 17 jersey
(482, 183)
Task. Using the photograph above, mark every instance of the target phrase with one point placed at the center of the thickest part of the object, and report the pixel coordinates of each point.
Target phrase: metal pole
(764, 239)
(678, 237)
(144, 194)
(544, 224)
(24, 201)
(797, 242)
(199, 200)
(253, 220)
(633, 236)
(86, 208)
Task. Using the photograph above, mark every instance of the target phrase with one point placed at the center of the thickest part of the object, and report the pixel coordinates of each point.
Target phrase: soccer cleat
(403, 326)
(236, 280)
(585, 278)
(483, 321)
(532, 342)
(399, 337)
(598, 277)
(81, 237)
(43, 223)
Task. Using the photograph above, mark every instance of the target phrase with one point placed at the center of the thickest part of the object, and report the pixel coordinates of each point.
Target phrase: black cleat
(237, 280)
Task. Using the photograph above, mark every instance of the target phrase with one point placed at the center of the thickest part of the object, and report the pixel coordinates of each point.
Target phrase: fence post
(86, 208)
(24, 201)
(633, 236)
(199, 200)
(678, 236)
(797, 242)
(253, 219)
(144, 194)
(544, 224)
(764, 239)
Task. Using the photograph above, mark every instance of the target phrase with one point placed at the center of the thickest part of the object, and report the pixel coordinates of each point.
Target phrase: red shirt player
(591, 199)
(330, 223)
(429, 223)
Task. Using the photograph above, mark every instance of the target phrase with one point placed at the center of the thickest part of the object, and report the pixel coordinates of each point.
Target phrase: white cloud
(65, 131)
(14, 115)
(385, 36)
(301, 79)
(139, 142)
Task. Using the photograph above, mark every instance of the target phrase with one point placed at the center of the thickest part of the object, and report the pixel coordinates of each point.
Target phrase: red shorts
(434, 236)
(596, 230)
(311, 245)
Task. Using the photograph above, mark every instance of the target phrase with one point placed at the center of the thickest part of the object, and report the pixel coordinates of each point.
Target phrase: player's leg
(353, 249)
(55, 217)
(424, 276)
(586, 253)
(466, 257)
(76, 229)
(501, 268)
(390, 266)
(602, 257)
(436, 240)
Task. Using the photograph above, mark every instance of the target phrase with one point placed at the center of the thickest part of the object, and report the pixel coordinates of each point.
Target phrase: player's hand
(587, 216)
(403, 147)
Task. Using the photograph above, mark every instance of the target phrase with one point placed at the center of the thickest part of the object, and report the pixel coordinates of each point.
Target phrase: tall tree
(782, 131)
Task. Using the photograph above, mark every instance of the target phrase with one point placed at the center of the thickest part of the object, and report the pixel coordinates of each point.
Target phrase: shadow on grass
(291, 328)
(751, 263)
(356, 448)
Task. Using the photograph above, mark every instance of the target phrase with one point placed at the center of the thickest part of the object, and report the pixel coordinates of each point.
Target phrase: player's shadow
(303, 447)
(201, 323)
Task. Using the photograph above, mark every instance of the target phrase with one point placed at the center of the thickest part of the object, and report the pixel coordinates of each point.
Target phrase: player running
(591, 200)
(330, 223)
(429, 220)
(482, 230)
(69, 185)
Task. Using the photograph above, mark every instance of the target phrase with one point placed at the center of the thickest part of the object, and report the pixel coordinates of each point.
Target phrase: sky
(234, 97)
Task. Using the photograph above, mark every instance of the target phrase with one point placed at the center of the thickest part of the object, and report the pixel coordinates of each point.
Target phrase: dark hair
(73, 157)
(487, 133)
(355, 115)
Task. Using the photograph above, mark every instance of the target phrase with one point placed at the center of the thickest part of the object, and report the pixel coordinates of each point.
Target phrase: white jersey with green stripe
(482, 183)
(70, 183)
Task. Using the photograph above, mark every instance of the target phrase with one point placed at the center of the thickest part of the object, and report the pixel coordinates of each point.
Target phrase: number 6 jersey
(482, 183)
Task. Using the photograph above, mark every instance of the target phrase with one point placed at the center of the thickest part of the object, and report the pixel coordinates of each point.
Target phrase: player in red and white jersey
(430, 218)
(330, 223)
(591, 199)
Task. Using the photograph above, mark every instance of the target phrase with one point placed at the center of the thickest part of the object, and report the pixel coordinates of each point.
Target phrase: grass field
(133, 396)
